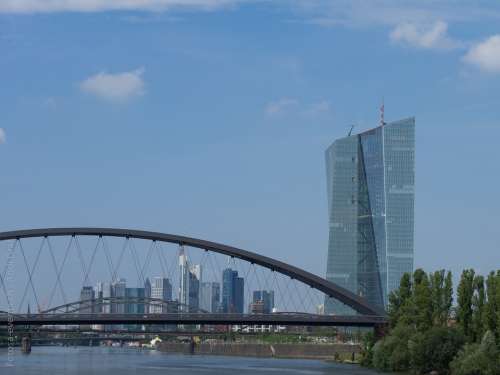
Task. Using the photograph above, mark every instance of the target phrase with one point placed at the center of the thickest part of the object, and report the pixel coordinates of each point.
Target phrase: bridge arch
(333, 290)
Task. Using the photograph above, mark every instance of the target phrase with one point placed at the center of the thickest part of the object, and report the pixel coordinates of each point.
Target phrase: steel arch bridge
(367, 314)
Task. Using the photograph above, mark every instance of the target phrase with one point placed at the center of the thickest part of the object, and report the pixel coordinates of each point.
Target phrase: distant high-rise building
(256, 307)
(183, 280)
(194, 287)
(210, 296)
(87, 297)
(118, 292)
(147, 293)
(370, 184)
(161, 288)
(267, 298)
(189, 283)
(107, 293)
(233, 291)
(135, 303)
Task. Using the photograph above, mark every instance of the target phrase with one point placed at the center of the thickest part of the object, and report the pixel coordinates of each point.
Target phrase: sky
(210, 118)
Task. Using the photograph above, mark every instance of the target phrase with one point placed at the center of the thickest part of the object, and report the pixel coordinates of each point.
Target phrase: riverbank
(336, 352)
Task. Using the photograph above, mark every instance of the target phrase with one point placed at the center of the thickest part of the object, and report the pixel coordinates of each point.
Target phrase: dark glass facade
(233, 292)
(370, 184)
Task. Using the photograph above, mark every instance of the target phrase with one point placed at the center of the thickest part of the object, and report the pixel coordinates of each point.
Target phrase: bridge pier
(26, 344)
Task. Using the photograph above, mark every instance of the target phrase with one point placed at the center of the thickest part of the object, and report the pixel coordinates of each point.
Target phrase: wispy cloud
(281, 106)
(428, 36)
(115, 87)
(361, 13)
(485, 55)
(287, 106)
(3, 136)
(49, 103)
(49, 6)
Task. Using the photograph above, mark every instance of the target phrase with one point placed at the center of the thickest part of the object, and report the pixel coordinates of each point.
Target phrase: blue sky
(211, 119)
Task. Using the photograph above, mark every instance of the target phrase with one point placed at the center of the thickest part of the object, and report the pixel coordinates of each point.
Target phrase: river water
(127, 361)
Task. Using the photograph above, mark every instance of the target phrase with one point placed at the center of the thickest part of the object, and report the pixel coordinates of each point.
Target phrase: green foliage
(434, 349)
(400, 301)
(492, 308)
(478, 359)
(422, 339)
(367, 349)
(465, 293)
(478, 309)
(392, 353)
(422, 300)
(442, 296)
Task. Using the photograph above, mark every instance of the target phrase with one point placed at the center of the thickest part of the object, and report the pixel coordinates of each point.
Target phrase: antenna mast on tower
(382, 122)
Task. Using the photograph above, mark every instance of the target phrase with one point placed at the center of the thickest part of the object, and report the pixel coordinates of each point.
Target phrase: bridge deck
(291, 319)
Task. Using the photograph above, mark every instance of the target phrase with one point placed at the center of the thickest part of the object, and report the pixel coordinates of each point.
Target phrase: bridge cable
(2, 278)
(30, 274)
(92, 258)
(58, 272)
(120, 259)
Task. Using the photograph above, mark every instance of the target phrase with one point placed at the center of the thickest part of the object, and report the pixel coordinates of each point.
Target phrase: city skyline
(77, 155)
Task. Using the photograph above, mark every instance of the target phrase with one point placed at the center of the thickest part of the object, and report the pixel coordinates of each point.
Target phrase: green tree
(434, 349)
(465, 293)
(399, 300)
(422, 301)
(442, 296)
(478, 309)
(367, 349)
(492, 308)
(392, 352)
(478, 359)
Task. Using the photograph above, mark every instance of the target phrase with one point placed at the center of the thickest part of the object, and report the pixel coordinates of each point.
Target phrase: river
(127, 361)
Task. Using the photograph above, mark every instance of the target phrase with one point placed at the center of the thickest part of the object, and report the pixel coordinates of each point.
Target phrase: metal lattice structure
(55, 253)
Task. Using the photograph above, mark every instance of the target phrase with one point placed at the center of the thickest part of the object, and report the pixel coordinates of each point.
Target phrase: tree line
(429, 333)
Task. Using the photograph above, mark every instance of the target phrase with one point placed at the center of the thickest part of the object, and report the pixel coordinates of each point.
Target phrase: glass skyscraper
(370, 185)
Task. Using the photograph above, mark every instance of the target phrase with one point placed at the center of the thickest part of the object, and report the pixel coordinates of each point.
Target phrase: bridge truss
(55, 275)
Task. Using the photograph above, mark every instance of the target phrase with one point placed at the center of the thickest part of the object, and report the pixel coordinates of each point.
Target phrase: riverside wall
(310, 351)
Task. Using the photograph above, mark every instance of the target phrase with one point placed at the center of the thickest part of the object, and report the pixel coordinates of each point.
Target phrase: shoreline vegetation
(429, 334)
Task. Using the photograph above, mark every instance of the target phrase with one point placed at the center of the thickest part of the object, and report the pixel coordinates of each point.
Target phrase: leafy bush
(392, 353)
(434, 349)
(478, 359)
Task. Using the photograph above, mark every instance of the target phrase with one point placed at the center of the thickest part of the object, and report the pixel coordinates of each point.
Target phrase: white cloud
(3, 136)
(116, 87)
(281, 106)
(362, 13)
(430, 36)
(48, 6)
(291, 106)
(485, 55)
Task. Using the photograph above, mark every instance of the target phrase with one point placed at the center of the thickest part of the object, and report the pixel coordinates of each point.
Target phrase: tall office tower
(370, 184)
(87, 297)
(267, 298)
(98, 308)
(210, 296)
(160, 289)
(118, 292)
(98, 297)
(135, 304)
(189, 283)
(147, 293)
(183, 280)
(107, 292)
(194, 287)
(233, 291)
